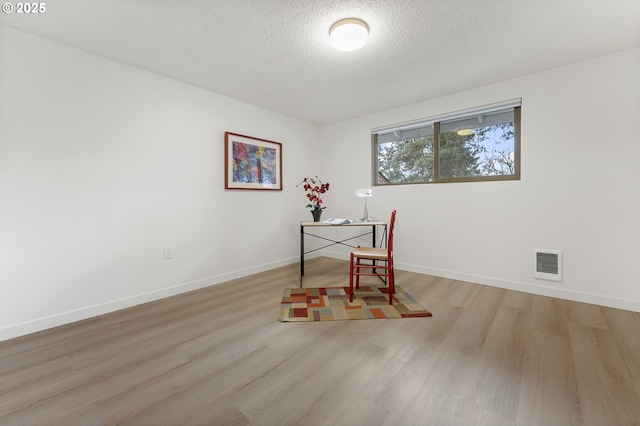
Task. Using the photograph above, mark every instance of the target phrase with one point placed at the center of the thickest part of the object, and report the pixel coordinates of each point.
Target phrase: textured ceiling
(276, 53)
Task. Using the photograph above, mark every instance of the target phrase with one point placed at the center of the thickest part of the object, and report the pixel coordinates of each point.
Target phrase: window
(473, 145)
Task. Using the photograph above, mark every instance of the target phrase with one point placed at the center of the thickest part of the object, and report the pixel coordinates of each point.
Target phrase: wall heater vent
(547, 265)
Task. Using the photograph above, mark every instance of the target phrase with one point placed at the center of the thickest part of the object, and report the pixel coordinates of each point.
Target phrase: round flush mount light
(349, 34)
(465, 132)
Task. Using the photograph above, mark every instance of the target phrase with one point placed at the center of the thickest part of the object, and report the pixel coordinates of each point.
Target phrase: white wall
(579, 191)
(103, 165)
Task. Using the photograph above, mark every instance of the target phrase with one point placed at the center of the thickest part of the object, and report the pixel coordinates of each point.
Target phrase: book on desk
(338, 221)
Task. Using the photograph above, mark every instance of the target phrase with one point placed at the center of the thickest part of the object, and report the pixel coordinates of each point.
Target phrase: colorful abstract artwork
(252, 163)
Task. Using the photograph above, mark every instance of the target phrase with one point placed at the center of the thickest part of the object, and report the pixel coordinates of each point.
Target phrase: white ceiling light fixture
(465, 132)
(349, 34)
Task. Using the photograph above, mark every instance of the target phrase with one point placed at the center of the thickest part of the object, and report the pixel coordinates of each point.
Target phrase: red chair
(381, 263)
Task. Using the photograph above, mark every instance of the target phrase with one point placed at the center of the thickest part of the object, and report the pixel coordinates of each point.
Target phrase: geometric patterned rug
(332, 303)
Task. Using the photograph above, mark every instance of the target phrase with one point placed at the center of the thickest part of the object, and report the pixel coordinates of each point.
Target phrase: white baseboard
(68, 317)
(539, 289)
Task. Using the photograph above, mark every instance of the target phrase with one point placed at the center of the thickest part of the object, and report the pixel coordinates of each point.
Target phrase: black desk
(310, 225)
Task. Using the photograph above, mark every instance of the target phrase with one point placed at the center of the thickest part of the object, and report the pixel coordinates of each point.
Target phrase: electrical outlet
(168, 253)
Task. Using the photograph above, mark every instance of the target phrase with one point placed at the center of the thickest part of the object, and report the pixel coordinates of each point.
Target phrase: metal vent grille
(547, 264)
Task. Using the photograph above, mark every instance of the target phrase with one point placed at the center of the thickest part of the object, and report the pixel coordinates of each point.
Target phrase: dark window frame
(377, 176)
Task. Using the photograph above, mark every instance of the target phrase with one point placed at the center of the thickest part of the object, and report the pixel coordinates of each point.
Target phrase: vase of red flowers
(315, 189)
(316, 213)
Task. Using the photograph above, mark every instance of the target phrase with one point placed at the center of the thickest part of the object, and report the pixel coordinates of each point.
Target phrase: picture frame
(252, 163)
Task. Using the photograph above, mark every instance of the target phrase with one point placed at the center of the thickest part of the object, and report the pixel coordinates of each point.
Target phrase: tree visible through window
(406, 160)
(482, 146)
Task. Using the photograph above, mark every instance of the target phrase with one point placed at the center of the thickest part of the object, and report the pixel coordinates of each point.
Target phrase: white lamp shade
(363, 193)
(349, 34)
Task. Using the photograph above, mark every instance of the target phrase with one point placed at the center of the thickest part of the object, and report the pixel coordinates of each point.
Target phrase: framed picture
(252, 163)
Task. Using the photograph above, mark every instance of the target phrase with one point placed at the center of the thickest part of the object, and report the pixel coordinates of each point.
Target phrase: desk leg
(373, 232)
(301, 253)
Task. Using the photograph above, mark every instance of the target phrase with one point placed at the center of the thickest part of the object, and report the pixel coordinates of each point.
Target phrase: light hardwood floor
(219, 355)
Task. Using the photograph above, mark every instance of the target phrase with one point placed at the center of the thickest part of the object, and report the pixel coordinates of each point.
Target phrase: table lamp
(365, 193)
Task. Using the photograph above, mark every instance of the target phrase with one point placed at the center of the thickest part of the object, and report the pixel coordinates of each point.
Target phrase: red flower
(315, 187)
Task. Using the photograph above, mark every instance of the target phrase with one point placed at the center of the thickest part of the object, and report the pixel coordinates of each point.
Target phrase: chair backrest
(392, 223)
